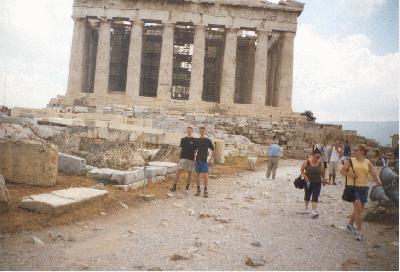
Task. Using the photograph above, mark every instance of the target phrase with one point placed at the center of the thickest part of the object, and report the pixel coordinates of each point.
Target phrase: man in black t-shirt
(201, 160)
(186, 162)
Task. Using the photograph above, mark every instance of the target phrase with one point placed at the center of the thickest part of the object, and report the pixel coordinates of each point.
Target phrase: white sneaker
(359, 236)
(306, 211)
(351, 229)
(314, 214)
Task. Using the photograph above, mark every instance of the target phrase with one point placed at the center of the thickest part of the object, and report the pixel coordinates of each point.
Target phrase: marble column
(285, 66)
(76, 58)
(196, 79)
(271, 100)
(103, 58)
(166, 62)
(260, 69)
(229, 68)
(134, 60)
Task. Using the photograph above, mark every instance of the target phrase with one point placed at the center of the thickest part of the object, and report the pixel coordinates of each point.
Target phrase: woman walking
(356, 170)
(313, 172)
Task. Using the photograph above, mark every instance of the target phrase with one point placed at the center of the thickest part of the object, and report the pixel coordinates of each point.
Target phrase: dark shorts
(325, 164)
(201, 167)
(360, 193)
(312, 192)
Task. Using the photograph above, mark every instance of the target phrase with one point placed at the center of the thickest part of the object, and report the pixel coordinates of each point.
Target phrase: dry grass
(17, 219)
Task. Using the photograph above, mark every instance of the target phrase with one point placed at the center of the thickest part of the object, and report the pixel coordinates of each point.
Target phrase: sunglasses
(356, 150)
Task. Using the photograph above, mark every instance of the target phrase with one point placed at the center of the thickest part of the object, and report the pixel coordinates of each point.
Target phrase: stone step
(171, 166)
(102, 174)
(71, 164)
(61, 200)
(152, 171)
(130, 187)
(127, 177)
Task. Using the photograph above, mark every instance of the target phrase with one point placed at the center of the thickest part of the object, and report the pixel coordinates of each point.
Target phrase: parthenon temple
(204, 52)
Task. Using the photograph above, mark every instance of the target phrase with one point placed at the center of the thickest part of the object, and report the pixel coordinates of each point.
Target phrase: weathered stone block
(102, 174)
(71, 164)
(65, 122)
(46, 132)
(23, 121)
(148, 154)
(81, 109)
(153, 138)
(127, 177)
(153, 171)
(130, 187)
(29, 161)
(171, 166)
(219, 151)
(5, 200)
(133, 137)
(61, 200)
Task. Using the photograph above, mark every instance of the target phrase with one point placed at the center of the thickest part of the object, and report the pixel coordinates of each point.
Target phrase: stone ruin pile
(112, 144)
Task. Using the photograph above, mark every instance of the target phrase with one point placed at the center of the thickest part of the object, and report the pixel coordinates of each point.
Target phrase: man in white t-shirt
(334, 155)
(324, 157)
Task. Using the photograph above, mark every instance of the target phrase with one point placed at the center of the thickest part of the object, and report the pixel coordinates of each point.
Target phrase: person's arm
(345, 171)
(303, 171)
(373, 173)
(211, 146)
(322, 169)
(195, 149)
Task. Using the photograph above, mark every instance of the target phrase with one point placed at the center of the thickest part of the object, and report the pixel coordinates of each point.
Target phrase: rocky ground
(247, 223)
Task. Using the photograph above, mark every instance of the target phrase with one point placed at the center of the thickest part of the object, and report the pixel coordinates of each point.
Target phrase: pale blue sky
(335, 18)
(346, 60)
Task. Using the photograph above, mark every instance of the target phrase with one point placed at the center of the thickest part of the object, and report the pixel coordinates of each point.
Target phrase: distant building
(395, 140)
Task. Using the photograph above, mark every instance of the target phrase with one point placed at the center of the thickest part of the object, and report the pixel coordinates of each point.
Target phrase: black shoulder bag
(348, 192)
(300, 182)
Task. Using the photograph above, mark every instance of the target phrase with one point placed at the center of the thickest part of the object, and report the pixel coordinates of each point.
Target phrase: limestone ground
(245, 216)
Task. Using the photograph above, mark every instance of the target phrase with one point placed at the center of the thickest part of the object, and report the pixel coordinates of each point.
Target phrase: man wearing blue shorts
(201, 160)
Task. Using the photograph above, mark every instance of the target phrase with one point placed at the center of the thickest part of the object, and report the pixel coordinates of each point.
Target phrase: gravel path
(245, 216)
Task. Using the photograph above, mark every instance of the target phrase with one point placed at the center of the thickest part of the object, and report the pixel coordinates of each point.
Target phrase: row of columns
(285, 64)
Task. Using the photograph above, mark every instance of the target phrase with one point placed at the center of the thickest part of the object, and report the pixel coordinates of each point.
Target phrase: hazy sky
(346, 64)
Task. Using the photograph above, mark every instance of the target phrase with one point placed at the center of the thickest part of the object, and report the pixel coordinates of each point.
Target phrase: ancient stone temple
(194, 52)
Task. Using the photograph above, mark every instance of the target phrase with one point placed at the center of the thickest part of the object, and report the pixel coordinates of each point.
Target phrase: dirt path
(245, 216)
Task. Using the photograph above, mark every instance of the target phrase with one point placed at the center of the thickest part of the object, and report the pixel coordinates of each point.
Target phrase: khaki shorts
(333, 167)
(185, 164)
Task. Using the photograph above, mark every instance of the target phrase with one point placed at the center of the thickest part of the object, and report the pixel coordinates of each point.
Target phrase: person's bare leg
(177, 176)
(358, 215)
(330, 178)
(198, 184)
(188, 179)
(314, 205)
(351, 219)
(333, 179)
(205, 184)
(274, 167)
(314, 212)
(269, 168)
